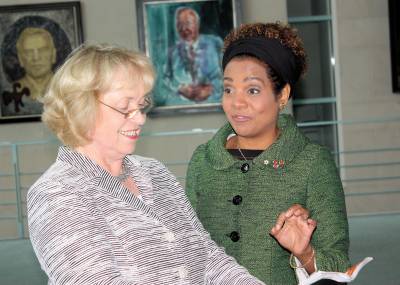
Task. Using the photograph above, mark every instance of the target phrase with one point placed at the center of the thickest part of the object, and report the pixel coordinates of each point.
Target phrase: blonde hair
(70, 104)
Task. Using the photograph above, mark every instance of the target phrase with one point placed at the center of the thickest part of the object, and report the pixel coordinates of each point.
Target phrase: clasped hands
(293, 230)
(196, 92)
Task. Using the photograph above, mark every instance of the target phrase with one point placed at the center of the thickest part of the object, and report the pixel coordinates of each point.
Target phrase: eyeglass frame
(132, 113)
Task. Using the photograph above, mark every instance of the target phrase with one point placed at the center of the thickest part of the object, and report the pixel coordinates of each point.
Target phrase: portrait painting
(35, 39)
(184, 40)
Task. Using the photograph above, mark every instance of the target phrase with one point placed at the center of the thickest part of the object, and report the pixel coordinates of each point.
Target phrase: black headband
(270, 51)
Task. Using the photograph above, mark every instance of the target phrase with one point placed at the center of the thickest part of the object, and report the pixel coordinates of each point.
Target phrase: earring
(281, 107)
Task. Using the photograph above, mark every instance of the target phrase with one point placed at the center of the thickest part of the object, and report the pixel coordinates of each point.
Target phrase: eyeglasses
(143, 109)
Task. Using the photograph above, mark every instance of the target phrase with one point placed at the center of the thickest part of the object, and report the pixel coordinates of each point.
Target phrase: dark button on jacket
(235, 236)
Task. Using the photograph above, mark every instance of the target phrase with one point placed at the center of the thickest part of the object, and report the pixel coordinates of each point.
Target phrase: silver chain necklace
(241, 153)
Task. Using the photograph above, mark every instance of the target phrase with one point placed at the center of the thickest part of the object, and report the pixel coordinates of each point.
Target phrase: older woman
(100, 215)
(260, 163)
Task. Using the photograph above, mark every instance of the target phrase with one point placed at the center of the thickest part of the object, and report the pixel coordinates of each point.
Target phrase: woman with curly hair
(259, 164)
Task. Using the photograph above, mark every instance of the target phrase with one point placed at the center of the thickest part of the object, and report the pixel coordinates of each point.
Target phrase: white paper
(305, 279)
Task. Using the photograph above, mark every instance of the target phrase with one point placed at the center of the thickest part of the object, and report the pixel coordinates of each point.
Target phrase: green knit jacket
(292, 170)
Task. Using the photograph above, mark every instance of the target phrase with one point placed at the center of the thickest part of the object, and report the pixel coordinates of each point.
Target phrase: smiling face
(249, 102)
(115, 136)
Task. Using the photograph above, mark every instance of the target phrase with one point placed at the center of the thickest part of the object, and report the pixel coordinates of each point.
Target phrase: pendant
(245, 167)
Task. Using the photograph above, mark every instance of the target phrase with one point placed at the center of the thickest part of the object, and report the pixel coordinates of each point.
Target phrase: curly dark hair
(287, 36)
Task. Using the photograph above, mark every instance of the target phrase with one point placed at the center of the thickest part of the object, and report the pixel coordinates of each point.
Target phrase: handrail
(17, 174)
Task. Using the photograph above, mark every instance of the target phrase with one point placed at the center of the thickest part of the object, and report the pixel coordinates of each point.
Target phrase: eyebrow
(249, 78)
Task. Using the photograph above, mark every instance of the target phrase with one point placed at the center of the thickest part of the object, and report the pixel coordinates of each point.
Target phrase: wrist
(305, 259)
(306, 253)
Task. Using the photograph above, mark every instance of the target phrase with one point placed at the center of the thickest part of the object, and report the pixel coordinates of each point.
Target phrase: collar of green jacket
(290, 142)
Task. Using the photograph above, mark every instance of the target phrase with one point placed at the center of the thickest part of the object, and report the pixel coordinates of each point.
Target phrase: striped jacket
(87, 228)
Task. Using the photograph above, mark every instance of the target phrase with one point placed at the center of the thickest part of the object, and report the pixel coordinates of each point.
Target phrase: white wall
(366, 94)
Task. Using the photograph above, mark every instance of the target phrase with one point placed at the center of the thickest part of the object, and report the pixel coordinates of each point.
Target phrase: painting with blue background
(162, 41)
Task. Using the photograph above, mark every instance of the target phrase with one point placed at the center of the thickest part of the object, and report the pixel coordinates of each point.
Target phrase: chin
(129, 150)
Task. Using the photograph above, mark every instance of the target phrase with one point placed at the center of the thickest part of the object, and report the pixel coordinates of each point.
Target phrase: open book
(348, 276)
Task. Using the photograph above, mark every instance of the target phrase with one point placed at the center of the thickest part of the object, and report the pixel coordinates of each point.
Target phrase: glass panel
(300, 8)
(324, 135)
(315, 112)
(317, 82)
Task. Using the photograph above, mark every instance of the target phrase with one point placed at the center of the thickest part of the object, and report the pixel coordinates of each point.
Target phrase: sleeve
(192, 175)
(221, 269)
(326, 203)
(66, 240)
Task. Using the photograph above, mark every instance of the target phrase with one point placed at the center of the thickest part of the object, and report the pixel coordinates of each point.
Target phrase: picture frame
(184, 39)
(394, 26)
(35, 39)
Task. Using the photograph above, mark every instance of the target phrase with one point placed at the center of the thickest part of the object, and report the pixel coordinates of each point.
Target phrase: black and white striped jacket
(87, 228)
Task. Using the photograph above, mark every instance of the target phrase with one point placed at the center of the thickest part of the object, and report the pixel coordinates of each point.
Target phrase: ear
(284, 96)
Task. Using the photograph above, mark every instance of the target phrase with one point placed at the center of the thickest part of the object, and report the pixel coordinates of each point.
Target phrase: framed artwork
(35, 39)
(184, 39)
(394, 23)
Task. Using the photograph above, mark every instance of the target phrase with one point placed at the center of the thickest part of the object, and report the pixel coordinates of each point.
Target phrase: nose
(139, 118)
(239, 100)
(36, 54)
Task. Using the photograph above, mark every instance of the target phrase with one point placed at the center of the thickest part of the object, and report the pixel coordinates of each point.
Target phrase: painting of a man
(183, 38)
(34, 40)
(192, 70)
(36, 54)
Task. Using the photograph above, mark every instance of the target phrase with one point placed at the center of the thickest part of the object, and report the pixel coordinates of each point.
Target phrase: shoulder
(153, 167)
(316, 151)
(199, 153)
(211, 38)
(318, 154)
(55, 189)
(212, 154)
(55, 177)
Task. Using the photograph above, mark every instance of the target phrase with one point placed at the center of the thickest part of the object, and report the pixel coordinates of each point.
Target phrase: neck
(112, 165)
(37, 85)
(39, 81)
(259, 142)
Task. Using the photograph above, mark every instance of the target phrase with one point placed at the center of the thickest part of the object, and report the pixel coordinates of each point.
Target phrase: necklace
(241, 153)
(123, 175)
(245, 166)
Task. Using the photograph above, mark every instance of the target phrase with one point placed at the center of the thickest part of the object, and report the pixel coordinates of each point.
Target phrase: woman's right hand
(295, 235)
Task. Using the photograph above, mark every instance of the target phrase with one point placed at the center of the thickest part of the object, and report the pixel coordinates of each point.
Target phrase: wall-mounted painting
(184, 39)
(35, 39)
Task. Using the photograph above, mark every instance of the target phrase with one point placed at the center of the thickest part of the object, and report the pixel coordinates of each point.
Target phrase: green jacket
(308, 176)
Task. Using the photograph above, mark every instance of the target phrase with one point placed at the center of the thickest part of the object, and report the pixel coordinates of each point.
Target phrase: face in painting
(249, 101)
(188, 26)
(37, 55)
(114, 134)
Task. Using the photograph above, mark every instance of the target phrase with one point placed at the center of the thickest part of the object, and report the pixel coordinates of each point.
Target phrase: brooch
(279, 165)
